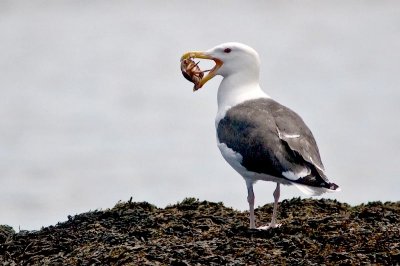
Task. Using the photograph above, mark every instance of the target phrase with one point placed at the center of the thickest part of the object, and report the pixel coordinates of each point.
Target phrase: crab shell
(192, 72)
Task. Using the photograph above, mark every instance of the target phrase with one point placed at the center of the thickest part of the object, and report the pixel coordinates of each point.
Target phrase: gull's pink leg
(273, 223)
(250, 199)
(277, 194)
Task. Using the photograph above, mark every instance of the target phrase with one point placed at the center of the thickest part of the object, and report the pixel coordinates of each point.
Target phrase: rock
(195, 232)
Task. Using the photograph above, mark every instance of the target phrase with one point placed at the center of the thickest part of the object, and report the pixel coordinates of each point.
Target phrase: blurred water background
(93, 107)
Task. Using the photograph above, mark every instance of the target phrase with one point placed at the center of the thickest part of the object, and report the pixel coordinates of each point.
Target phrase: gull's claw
(269, 226)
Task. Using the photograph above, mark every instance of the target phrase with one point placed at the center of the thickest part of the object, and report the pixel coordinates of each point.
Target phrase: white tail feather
(314, 191)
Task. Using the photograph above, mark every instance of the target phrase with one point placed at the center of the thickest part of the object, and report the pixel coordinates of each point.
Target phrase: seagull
(260, 138)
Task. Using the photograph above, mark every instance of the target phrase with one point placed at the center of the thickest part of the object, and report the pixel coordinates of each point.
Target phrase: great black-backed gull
(260, 138)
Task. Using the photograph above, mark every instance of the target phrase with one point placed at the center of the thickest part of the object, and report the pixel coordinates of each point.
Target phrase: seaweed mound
(196, 232)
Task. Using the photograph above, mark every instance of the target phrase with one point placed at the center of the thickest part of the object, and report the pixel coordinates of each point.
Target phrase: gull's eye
(227, 50)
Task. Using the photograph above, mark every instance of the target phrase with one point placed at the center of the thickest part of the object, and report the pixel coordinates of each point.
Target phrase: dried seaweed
(196, 232)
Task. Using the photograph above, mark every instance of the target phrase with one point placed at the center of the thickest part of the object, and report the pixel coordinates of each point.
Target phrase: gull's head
(230, 58)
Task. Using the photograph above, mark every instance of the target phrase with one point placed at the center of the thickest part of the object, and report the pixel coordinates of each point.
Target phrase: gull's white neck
(235, 89)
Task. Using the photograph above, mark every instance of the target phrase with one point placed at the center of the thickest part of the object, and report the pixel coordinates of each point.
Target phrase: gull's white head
(230, 59)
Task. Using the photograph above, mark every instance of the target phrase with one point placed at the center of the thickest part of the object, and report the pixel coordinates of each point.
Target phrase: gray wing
(293, 131)
(273, 140)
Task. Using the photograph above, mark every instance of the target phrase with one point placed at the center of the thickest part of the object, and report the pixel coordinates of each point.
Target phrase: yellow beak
(202, 55)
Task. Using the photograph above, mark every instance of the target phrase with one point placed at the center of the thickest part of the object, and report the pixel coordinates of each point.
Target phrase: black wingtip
(333, 186)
